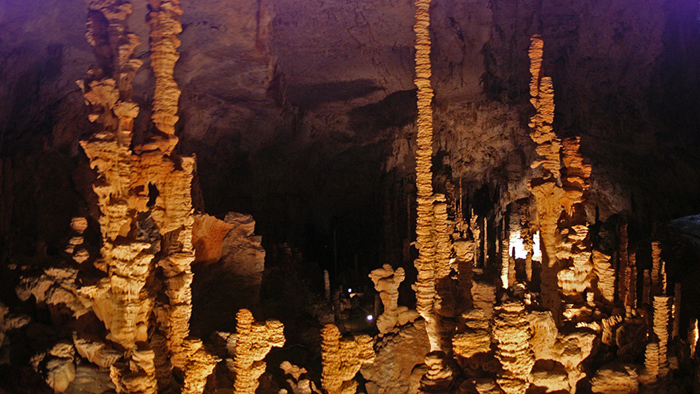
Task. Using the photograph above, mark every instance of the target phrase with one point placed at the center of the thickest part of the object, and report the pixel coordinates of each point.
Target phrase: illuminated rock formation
(484, 297)
(505, 255)
(546, 189)
(512, 334)
(342, 359)
(464, 258)
(144, 199)
(623, 272)
(662, 312)
(693, 336)
(200, 365)
(438, 378)
(605, 274)
(676, 311)
(615, 379)
(253, 341)
(474, 337)
(656, 268)
(425, 286)
(394, 369)
(386, 282)
(165, 26)
(297, 380)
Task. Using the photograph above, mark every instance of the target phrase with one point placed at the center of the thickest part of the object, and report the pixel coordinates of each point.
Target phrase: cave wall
(302, 113)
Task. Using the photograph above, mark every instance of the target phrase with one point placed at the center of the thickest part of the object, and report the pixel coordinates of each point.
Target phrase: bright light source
(517, 243)
(370, 317)
(349, 290)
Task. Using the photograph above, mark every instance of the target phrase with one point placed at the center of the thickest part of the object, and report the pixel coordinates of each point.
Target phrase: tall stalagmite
(425, 263)
(545, 188)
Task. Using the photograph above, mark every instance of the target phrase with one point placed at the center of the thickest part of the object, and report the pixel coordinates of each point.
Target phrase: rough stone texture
(253, 341)
(615, 379)
(342, 359)
(390, 372)
(199, 365)
(386, 281)
(512, 335)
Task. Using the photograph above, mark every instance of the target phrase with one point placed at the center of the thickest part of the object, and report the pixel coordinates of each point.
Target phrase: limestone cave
(349, 196)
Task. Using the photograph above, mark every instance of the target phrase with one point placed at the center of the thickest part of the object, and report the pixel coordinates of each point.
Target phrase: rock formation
(386, 282)
(342, 359)
(297, 380)
(426, 263)
(253, 341)
(545, 188)
(512, 334)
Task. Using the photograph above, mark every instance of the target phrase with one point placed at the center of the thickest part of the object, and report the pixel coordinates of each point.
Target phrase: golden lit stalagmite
(253, 341)
(342, 359)
(425, 282)
(546, 189)
(165, 26)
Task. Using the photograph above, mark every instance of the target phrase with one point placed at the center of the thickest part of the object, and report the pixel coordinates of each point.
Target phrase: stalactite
(546, 189)
(253, 341)
(342, 359)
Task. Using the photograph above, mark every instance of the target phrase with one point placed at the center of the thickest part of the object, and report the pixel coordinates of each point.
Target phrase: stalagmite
(656, 268)
(512, 334)
(439, 376)
(425, 282)
(646, 287)
(163, 20)
(662, 310)
(676, 312)
(200, 364)
(476, 233)
(693, 336)
(464, 257)
(624, 280)
(342, 359)
(631, 278)
(606, 275)
(505, 254)
(474, 337)
(546, 189)
(253, 341)
(386, 281)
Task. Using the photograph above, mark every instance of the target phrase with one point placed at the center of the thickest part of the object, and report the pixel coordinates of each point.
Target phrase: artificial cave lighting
(294, 197)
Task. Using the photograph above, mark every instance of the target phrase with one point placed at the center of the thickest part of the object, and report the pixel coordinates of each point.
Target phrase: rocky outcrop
(615, 379)
(342, 359)
(253, 341)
